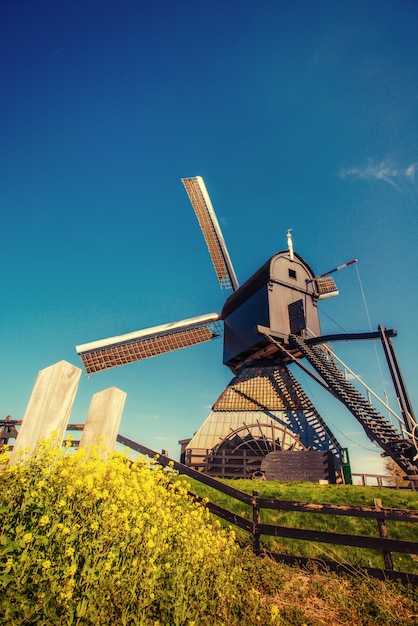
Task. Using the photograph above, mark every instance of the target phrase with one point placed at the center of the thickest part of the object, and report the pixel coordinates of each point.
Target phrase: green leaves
(7, 545)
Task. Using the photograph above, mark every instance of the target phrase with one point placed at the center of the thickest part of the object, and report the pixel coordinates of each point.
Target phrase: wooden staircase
(377, 428)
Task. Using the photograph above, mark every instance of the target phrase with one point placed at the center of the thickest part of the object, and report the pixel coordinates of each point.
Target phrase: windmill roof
(254, 283)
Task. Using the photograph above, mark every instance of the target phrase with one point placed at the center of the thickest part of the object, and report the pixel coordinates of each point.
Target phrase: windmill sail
(143, 344)
(205, 213)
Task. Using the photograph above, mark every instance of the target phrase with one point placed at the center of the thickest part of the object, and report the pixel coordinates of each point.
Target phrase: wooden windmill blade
(206, 216)
(144, 344)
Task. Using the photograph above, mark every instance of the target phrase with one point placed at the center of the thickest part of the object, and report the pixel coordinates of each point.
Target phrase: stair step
(372, 421)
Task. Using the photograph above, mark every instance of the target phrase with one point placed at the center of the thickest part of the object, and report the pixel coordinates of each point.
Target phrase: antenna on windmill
(325, 284)
(290, 244)
(336, 269)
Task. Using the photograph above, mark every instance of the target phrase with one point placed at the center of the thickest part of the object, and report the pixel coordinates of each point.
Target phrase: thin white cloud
(410, 171)
(352, 377)
(148, 416)
(386, 171)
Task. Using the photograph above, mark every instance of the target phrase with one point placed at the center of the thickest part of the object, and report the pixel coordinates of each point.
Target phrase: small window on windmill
(326, 288)
(292, 274)
(296, 317)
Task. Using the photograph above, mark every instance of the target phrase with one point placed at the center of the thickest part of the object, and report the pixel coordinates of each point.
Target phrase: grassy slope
(336, 494)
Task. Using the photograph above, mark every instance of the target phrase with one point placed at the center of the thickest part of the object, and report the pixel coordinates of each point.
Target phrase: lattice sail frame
(326, 288)
(123, 349)
(206, 216)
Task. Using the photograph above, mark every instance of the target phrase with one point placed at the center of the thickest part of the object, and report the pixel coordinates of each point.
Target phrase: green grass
(325, 494)
(86, 540)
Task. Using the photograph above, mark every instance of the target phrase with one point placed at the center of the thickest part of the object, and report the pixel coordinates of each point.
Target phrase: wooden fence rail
(377, 480)
(256, 528)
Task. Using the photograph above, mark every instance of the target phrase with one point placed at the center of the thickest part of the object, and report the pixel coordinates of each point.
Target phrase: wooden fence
(256, 528)
(49, 409)
(378, 480)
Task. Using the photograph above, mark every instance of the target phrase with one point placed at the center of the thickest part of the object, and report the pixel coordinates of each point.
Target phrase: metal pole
(397, 379)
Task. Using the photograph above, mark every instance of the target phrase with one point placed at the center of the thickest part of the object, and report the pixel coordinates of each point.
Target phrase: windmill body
(269, 321)
(279, 297)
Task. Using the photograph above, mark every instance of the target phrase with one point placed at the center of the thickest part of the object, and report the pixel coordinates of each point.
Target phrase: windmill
(268, 323)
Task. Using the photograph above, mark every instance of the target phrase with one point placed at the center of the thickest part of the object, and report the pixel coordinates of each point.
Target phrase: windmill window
(292, 274)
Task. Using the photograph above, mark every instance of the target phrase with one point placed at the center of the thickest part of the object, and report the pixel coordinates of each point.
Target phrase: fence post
(383, 532)
(49, 407)
(256, 522)
(103, 419)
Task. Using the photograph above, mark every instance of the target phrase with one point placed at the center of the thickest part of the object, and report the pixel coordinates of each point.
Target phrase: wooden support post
(413, 481)
(8, 430)
(49, 407)
(256, 522)
(383, 532)
(103, 419)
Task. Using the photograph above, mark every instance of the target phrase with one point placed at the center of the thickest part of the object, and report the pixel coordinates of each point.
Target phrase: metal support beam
(397, 379)
(349, 337)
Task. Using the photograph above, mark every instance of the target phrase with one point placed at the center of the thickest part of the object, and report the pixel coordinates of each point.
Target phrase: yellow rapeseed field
(92, 540)
(89, 538)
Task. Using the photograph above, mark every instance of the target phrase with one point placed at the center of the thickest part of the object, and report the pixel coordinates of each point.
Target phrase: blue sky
(297, 115)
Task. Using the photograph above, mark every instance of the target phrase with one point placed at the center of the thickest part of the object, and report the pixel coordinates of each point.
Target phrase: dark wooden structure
(304, 466)
(282, 296)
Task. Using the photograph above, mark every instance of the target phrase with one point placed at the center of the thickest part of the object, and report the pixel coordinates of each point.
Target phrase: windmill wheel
(240, 453)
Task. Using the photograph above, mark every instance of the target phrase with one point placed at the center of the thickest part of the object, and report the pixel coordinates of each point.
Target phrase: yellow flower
(66, 595)
(27, 537)
(44, 520)
(46, 564)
